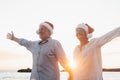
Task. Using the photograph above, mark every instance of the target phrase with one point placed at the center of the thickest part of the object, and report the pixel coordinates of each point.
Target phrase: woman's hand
(70, 77)
(70, 72)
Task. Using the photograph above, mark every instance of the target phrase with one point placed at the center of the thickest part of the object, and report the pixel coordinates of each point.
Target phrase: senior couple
(47, 52)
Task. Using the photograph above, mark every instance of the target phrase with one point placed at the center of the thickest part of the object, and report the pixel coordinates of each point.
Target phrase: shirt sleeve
(108, 37)
(25, 43)
(61, 56)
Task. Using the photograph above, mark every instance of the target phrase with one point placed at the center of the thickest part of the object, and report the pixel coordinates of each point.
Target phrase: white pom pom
(89, 36)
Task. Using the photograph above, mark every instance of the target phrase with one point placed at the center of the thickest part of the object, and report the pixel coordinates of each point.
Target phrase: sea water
(12, 75)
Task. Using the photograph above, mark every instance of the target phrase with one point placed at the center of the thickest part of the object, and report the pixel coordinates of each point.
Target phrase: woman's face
(80, 33)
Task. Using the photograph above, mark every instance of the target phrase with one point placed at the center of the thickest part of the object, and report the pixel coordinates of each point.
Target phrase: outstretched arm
(108, 37)
(21, 41)
(12, 37)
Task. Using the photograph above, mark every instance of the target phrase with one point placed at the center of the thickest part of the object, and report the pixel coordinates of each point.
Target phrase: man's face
(80, 33)
(43, 32)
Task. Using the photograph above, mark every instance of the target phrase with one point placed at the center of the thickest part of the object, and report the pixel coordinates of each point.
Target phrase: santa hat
(87, 29)
(48, 25)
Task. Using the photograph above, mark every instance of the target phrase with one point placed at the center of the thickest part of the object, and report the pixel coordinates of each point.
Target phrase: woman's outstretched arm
(108, 37)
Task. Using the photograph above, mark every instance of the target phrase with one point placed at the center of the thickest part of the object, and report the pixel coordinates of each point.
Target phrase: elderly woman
(46, 53)
(87, 54)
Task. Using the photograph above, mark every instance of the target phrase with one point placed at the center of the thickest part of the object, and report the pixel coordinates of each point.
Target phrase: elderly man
(46, 53)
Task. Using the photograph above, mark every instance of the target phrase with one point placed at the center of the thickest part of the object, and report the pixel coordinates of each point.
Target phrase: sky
(24, 16)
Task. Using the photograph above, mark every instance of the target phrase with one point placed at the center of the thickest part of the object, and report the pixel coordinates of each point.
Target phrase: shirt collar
(43, 42)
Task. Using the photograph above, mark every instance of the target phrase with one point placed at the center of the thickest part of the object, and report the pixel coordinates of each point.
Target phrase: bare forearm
(15, 39)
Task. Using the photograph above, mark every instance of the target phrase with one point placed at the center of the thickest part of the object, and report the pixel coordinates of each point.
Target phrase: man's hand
(10, 35)
(70, 75)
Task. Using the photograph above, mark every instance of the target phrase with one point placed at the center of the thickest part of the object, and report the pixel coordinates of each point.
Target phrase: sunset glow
(24, 16)
(73, 64)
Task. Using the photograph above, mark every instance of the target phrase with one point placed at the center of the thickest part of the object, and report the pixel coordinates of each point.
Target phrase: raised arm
(108, 37)
(22, 42)
(12, 37)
